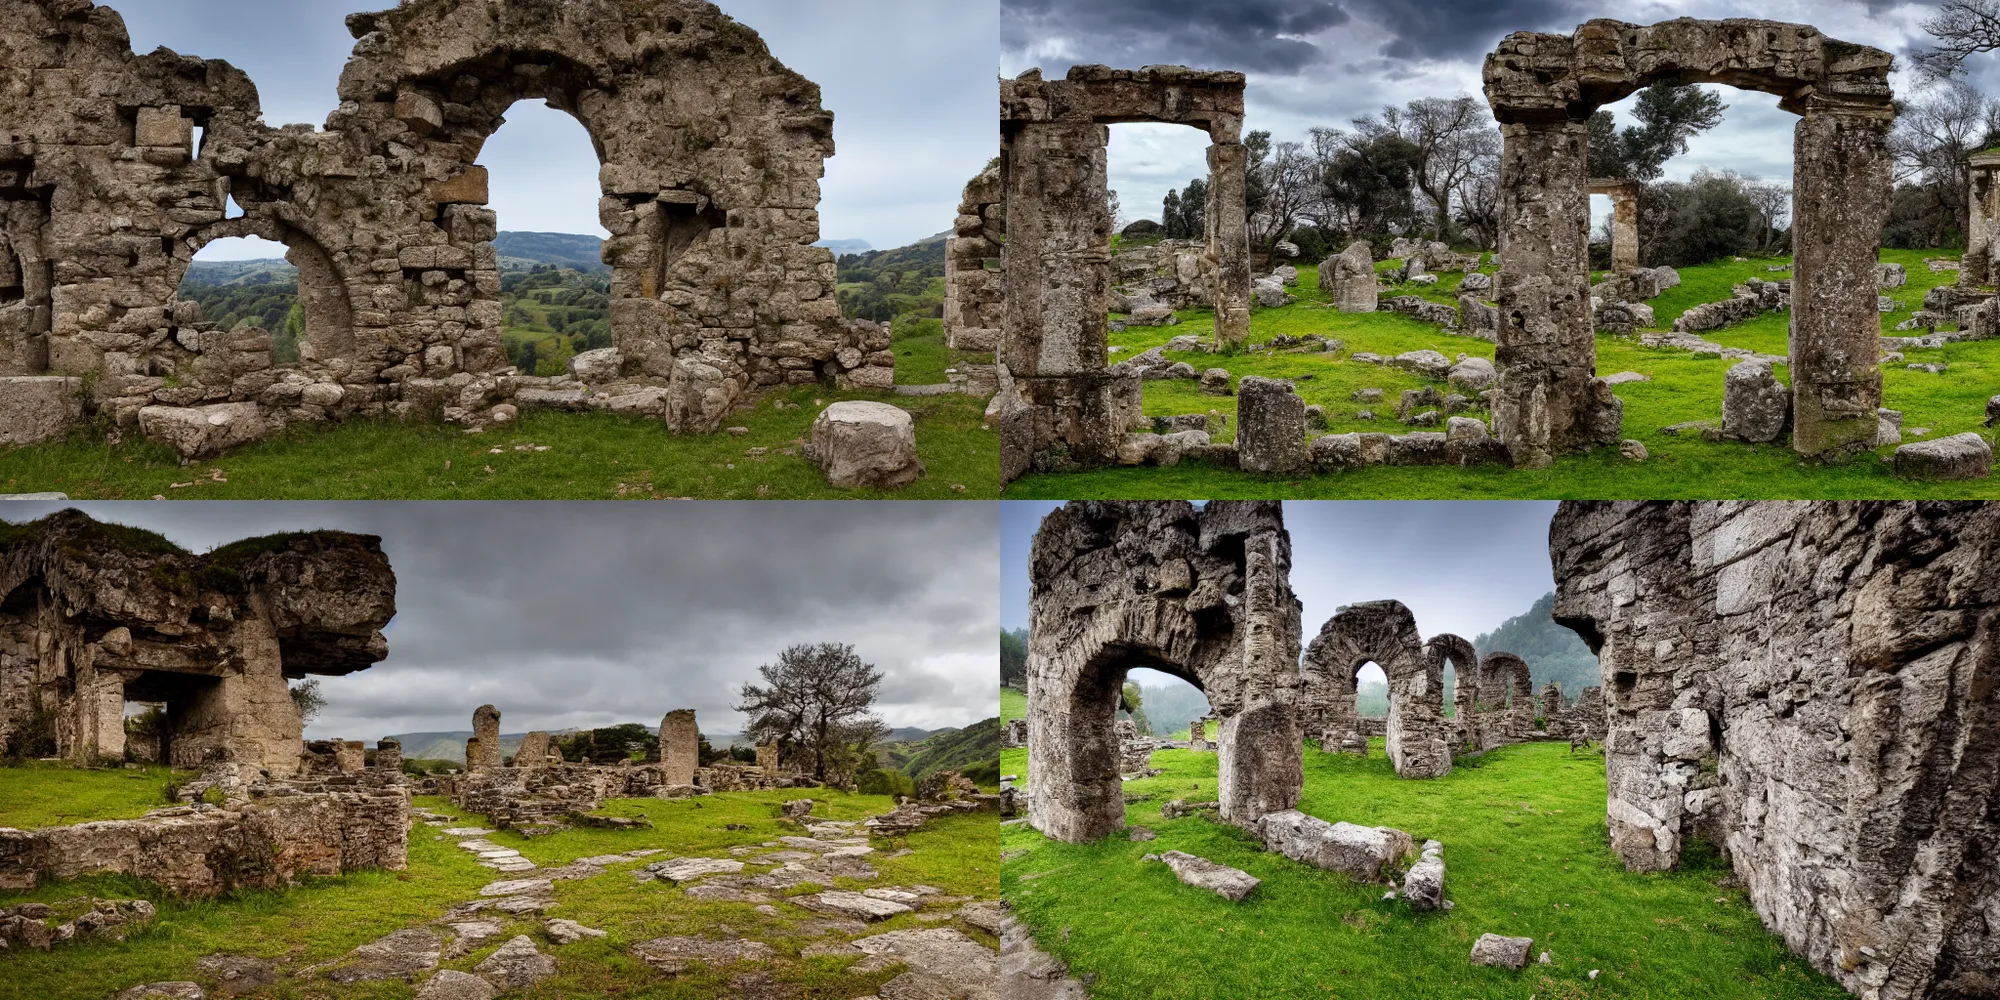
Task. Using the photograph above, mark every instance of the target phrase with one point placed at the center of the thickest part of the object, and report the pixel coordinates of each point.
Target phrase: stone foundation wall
(283, 833)
(1812, 688)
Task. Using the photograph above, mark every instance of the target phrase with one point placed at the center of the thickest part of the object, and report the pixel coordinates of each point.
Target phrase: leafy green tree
(1669, 115)
(817, 697)
(1014, 658)
(308, 699)
(528, 359)
(1131, 701)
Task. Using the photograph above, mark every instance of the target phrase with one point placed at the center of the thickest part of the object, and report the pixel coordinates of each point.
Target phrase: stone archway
(1499, 706)
(323, 291)
(1057, 256)
(1203, 595)
(1544, 87)
(1385, 633)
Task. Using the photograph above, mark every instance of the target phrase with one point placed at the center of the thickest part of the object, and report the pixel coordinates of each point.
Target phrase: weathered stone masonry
(1812, 688)
(1544, 87)
(1057, 259)
(1417, 735)
(711, 156)
(94, 615)
(1201, 594)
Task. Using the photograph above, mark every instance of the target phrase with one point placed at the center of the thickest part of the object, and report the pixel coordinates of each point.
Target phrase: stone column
(1624, 195)
(1260, 746)
(767, 755)
(349, 756)
(1057, 264)
(680, 748)
(1074, 790)
(247, 716)
(486, 733)
(1977, 267)
(1840, 198)
(1549, 401)
(388, 755)
(1228, 226)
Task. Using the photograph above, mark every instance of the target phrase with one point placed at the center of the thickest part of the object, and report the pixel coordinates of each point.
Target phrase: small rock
(1633, 449)
(1215, 381)
(162, 991)
(1959, 456)
(518, 964)
(1502, 952)
(451, 984)
(569, 931)
(1140, 833)
(505, 413)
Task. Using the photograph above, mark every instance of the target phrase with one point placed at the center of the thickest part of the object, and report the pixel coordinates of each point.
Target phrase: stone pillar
(1260, 747)
(349, 756)
(1977, 267)
(534, 750)
(1549, 400)
(246, 716)
(1840, 199)
(1624, 196)
(1228, 227)
(680, 748)
(767, 755)
(388, 755)
(486, 737)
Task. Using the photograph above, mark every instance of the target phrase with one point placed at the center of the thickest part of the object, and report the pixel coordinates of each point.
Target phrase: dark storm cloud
(594, 613)
(1222, 34)
(910, 83)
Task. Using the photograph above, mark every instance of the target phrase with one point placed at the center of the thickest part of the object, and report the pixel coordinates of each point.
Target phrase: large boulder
(1960, 456)
(857, 443)
(1270, 292)
(598, 366)
(1359, 851)
(1271, 426)
(1349, 278)
(1755, 405)
(1473, 375)
(38, 408)
(1426, 362)
(202, 431)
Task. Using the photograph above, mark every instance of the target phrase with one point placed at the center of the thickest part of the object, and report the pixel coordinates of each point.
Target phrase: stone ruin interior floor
(1523, 829)
(743, 934)
(1682, 386)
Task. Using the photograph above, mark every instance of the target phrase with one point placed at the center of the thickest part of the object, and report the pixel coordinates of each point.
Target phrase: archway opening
(1171, 704)
(241, 283)
(1371, 691)
(1157, 175)
(542, 167)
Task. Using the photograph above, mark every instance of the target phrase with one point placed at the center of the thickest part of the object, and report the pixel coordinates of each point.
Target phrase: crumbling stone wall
(282, 833)
(1383, 633)
(1200, 594)
(1976, 267)
(1070, 412)
(1495, 703)
(1544, 87)
(1810, 687)
(1624, 195)
(95, 615)
(974, 293)
(543, 793)
(711, 156)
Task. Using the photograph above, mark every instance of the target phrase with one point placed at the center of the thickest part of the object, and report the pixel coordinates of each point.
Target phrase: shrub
(885, 782)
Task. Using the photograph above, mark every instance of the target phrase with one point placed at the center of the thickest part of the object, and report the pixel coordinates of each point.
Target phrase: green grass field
(326, 917)
(1685, 386)
(38, 794)
(589, 456)
(1525, 855)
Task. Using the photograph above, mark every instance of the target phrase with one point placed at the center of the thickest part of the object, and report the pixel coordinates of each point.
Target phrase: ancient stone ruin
(680, 748)
(1384, 633)
(1203, 595)
(117, 168)
(1544, 87)
(1064, 409)
(1976, 267)
(974, 285)
(1624, 195)
(93, 616)
(1811, 689)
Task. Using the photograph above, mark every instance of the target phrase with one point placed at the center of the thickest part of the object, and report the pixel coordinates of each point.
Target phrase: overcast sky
(593, 613)
(1460, 566)
(910, 83)
(1324, 62)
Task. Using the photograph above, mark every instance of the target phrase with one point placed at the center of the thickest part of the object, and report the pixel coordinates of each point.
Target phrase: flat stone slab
(1359, 851)
(235, 975)
(855, 904)
(517, 886)
(1029, 973)
(942, 962)
(675, 955)
(1229, 883)
(516, 965)
(396, 955)
(984, 914)
(709, 892)
(518, 905)
(451, 984)
(569, 931)
(163, 991)
(689, 869)
(468, 935)
(466, 831)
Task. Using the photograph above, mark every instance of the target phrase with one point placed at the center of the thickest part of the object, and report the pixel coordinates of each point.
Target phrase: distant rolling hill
(947, 750)
(451, 746)
(522, 251)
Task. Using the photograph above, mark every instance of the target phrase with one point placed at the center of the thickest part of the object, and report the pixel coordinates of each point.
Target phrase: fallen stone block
(1359, 851)
(37, 408)
(1960, 456)
(858, 443)
(1502, 952)
(1229, 883)
(203, 431)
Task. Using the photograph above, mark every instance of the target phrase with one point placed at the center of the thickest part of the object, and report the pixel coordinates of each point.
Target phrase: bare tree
(1932, 135)
(1289, 182)
(1773, 201)
(1478, 195)
(815, 698)
(1452, 136)
(1963, 29)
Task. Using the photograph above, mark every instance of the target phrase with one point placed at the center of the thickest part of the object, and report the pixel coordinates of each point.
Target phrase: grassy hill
(963, 750)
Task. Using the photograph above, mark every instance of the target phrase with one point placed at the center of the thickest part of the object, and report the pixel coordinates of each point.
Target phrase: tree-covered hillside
(1553, 652)
(884, 285)
(522, 251)
(972, 751)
